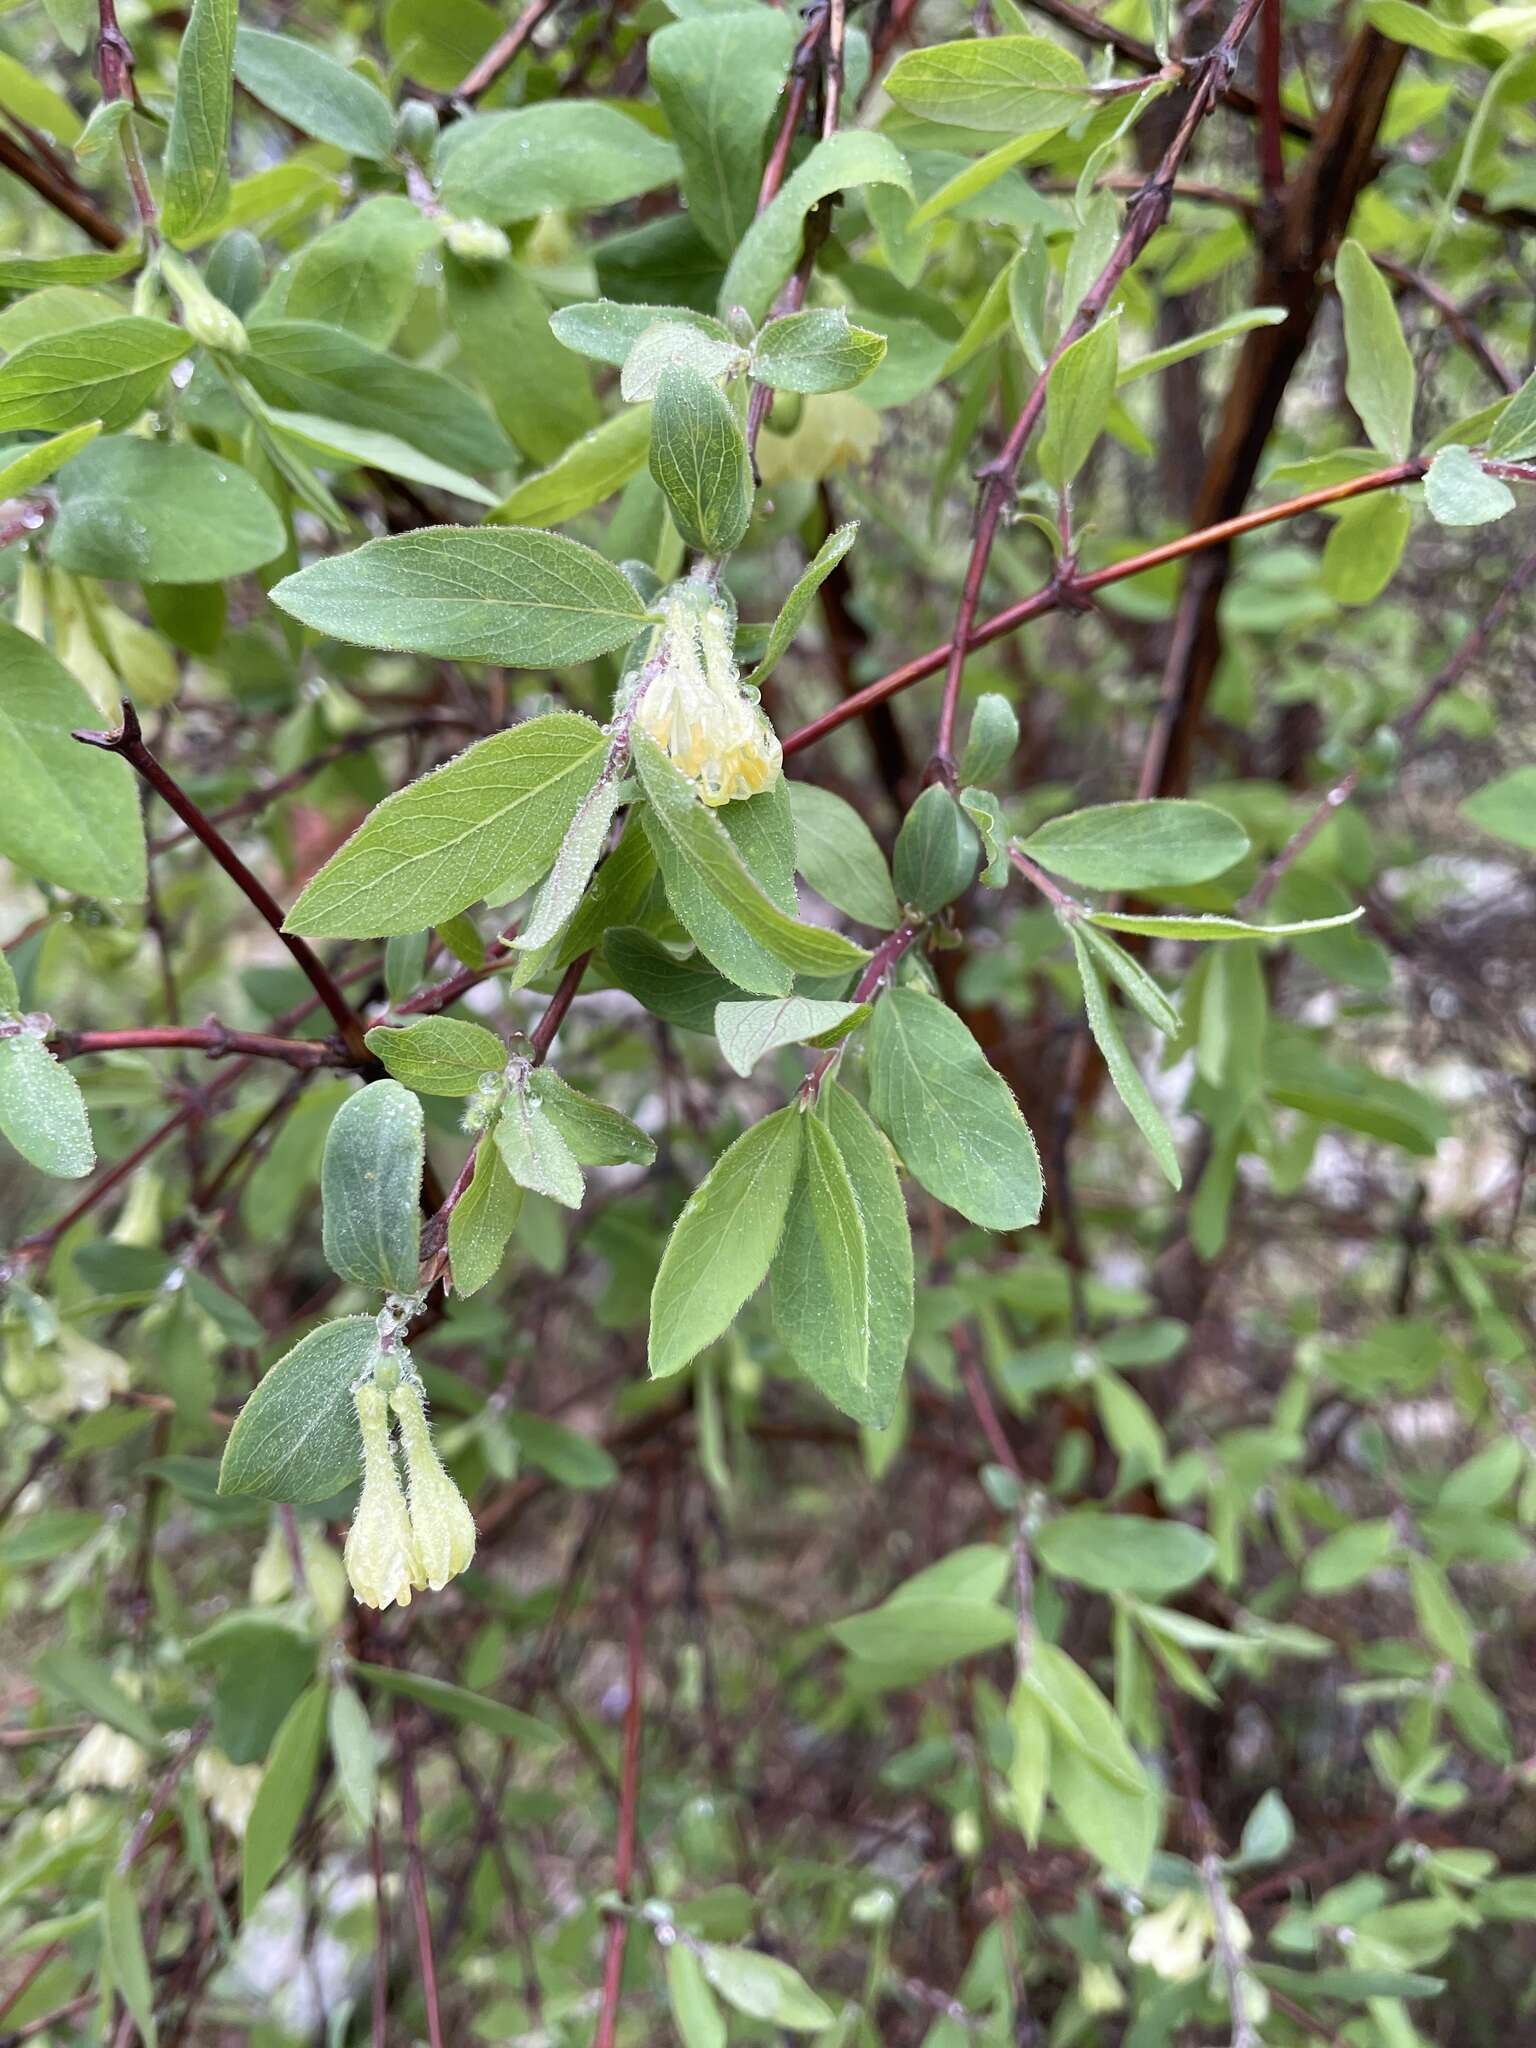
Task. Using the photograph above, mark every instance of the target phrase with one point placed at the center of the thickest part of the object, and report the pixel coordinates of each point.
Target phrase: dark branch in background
(114, 67)
(629, 1789)
(128, 741)
(503, 51)
(61, 192)
(1271, 131)
(1146, 215)
(416, 1883)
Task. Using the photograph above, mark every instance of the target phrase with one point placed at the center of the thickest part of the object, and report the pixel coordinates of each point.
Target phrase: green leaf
(1123, 1071)
(483, 1220)
(124, 1964)
(1380, 379)
(1441, 1615)
(724, 1241)
(912, 1636)
(296, 1438)
(355, 1755)
(768, 252)
(699, 458)
(1348, 1556)
(936, 852)
(1161, 844)
(1459, 491)
(364, 448)
(42, 1111)
(1363, 551)
(1081, 1717)
(877, 1189)
(1196, 344)
(307, 366)
(669, 344)
(1078, 396)
(687, 993)
(748, 1030)
(702, 843)
(457, 1703)
(586, 473)
(572, 155)
(282, 1795)
(567, 1456)
(495, 816)
(991, 741)
(68, 814)
(32, 466)
(25, 94)
(104, 373)
(1096, 1783)
(821, 1297)
(535, 1153)
(596, 1134)
(718, 78)
(1124, 1553)
(521, 598)
(314, 93)
(501, 319)
(792, 615)
(580, 851)
(196, 195)
(695, 2014)
(764, 1988)
(837, 854)
(816, 351)
(609, 330)
(1029, 1766)
(161, 512)
(1212, 928)
(91, 266)
(370, 1185)
(1514, 436)
(1000, 83)
(1136, 985)
(1506, 807)
(80, 1678)
(950, 1115)
(361, 272)
(985, 812)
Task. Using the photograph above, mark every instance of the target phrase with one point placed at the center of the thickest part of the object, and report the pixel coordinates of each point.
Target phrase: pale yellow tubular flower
(103, 1760)
(229, 1790)
(696, 709)
(381, 1557)
(440, 1518)
(1173, 1940)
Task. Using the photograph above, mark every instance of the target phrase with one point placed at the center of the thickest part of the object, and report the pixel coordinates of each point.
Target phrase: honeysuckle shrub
(766, 1033)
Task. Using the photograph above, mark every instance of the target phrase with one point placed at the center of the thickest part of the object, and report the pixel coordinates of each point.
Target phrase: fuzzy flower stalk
(694, 705)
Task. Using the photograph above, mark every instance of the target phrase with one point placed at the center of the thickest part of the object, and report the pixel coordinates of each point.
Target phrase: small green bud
(206, 318)
(476, 241)
(416, 130)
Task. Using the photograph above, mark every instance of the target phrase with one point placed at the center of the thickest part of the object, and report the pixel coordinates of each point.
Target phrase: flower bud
(104, 1760)
(381, 1557)
(440, 1519)
(206, 318)
(476, 241)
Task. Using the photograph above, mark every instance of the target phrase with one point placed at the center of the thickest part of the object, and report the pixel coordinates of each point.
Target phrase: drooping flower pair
(694, 705)
(403, 1538)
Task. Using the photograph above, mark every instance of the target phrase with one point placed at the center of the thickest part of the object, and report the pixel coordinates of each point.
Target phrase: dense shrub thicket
(767, 1023)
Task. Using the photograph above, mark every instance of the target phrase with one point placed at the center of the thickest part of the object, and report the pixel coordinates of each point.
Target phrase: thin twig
(128, 741)
(1146, 214)
(629, 1787)
(416, 1882)
(1057, 594)
(501, 53)
(213, 1038)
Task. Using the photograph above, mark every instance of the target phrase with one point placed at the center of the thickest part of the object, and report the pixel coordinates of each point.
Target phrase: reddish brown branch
(1056, 594)
(416, 1884)
(61, 193)
(1147, 213)
(213, 1038)
(128, 741)
(503, 50)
